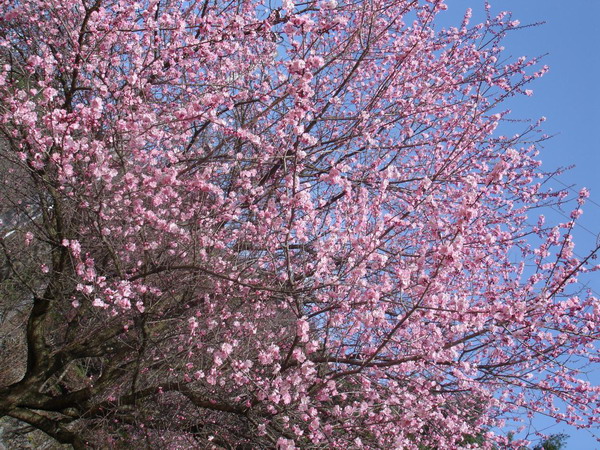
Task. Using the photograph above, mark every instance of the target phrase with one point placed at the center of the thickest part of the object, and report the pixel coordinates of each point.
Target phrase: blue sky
(569, 97)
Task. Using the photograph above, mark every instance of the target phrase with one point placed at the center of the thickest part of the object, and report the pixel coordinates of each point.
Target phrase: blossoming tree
(256, 225)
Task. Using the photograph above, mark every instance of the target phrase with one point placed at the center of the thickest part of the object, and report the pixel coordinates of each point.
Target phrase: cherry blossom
(253, 226)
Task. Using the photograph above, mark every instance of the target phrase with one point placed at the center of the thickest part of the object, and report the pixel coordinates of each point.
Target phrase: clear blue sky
(569, 97)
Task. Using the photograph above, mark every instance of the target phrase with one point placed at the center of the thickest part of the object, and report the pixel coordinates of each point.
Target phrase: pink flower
(297, 66)
(99, 303)
(302, 329)
(285, 444)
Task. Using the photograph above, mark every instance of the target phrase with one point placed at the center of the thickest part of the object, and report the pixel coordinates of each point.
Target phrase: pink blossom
(302, 225)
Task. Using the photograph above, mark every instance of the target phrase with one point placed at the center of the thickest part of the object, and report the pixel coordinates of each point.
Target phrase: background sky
(569, 97)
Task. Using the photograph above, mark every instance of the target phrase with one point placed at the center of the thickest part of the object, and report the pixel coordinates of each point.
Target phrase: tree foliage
(554, 442)
(251, 225)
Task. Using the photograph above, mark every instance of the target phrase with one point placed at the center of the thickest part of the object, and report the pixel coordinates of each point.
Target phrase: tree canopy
(260, 225)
